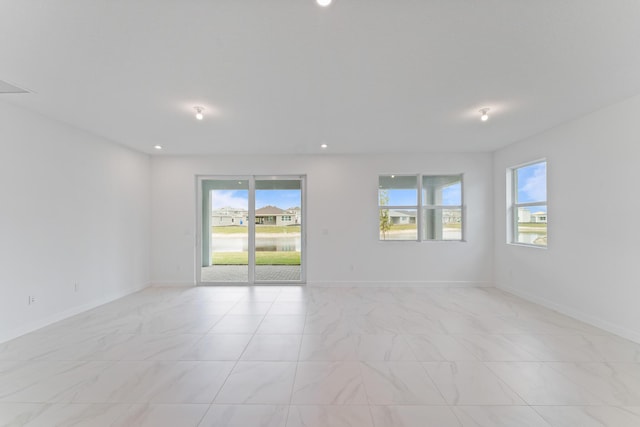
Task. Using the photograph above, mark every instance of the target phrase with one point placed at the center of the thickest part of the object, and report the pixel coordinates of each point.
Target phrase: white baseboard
(400, 284)
(576, 314)
(172, 285)
(346, 284)
(48, 320)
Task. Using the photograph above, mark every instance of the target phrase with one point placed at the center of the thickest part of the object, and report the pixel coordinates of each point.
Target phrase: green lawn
(454, 225)
(262, 258)
(267, 229)
(403, 227)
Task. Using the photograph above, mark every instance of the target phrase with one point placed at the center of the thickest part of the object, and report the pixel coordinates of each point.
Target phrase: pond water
(276, 243)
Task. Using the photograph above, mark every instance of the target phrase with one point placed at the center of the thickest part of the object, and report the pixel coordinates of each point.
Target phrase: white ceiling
(283, 76)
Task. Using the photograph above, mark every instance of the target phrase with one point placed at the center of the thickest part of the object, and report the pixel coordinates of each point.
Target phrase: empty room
(319, 213)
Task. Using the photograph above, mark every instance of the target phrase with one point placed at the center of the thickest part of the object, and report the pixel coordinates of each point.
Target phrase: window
(398, 207)
(420, 207)
(529, 204)
(442, 207)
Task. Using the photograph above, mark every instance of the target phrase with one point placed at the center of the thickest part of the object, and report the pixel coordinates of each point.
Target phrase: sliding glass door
(278, 230)
(251, 229)
(225, 230)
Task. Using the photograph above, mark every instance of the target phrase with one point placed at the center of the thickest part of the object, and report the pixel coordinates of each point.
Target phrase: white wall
(591, 269)
(341, 198)
(73, 208)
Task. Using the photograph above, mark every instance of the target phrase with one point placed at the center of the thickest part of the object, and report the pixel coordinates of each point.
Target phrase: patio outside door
(251, 230)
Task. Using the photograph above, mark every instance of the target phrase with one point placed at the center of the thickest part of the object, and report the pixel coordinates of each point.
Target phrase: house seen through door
(252, 229)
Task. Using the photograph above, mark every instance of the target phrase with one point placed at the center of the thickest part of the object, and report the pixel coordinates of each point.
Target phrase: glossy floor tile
(292, 356)
(259, 382)
(399, 383)
(590, 416)
(414, 416)
(329, 383)
(470, 383)
(330, 415)
(499, 416)
(246, 415)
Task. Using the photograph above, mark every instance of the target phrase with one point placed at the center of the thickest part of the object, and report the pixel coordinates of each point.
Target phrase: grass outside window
(262, 258)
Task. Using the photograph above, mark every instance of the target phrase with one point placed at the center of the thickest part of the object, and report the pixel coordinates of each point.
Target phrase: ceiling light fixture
(199, 114)
(484, 114)
(323, 146)
(323, 3)
(158, 147)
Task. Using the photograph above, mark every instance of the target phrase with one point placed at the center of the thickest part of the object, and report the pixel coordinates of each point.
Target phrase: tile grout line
(239, 356)
(295, 374)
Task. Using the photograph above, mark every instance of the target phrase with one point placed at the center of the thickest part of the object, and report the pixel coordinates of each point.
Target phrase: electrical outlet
(32, 300)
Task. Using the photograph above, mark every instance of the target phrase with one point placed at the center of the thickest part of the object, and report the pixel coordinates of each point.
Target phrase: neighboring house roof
(226, 211)
(269, 210)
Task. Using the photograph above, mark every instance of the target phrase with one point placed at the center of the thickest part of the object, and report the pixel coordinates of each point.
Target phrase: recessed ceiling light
(323, 3)
(484, 114)
(158, 147)
(199, 114)
(323, 146)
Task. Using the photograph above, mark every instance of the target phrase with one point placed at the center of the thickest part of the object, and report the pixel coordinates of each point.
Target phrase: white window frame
(512, 194)
(441, 208)
(420, 208)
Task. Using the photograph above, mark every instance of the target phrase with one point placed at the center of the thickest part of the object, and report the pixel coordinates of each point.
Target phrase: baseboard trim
(173, 285)
(48, 320)
(343, 284)
(400, 284)
(576, 314)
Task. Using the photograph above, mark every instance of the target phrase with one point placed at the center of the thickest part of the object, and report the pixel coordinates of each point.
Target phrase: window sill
(525, 245)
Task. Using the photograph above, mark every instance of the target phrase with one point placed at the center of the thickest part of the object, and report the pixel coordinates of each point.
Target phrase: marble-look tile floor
(320, 357)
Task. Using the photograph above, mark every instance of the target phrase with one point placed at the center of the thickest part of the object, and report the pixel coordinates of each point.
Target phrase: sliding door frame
(251, 278)
(303, 237)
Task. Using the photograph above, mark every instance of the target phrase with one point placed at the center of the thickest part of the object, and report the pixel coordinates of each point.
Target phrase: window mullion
(419, 209)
